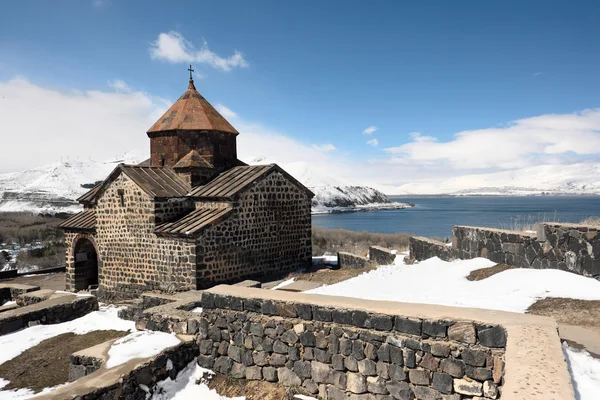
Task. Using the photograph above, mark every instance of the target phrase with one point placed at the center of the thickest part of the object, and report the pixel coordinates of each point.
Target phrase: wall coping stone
(507, 231)
(429, 240)
(535, 364)
(109, 381)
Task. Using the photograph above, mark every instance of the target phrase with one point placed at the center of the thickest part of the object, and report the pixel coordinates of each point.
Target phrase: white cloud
(373, 142)
(370, 130)
(119, 85)
(325, 148)
(41, 125)
(225, 111)
(537, 73)
(547, 138)
(418, 137)
(174, 48)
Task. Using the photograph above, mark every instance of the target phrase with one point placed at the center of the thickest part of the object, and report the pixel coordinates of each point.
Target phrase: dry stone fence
(340, 348)
(568, 247)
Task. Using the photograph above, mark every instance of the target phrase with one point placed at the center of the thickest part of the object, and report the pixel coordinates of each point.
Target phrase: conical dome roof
(192, 112)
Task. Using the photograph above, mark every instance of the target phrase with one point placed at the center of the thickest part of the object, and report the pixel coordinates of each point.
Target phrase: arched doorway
(86, 264)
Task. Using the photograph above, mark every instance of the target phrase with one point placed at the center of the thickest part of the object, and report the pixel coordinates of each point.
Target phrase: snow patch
(139, 344)
(585, 371)
(186, 386)
(105, 318)
(283, 284)
(434, 281)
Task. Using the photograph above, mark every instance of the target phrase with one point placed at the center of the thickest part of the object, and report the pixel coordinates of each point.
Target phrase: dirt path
(54, 281)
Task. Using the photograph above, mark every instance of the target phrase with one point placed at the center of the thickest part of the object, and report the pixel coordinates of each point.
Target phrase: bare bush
(23, 228)
(52, 255)
(591, 221)
(333, 240)
(521, 224)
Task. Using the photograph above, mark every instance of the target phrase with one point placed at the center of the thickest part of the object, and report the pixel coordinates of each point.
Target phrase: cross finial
(191, 70)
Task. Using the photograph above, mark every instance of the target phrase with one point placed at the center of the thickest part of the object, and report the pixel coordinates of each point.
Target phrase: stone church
(191, 216)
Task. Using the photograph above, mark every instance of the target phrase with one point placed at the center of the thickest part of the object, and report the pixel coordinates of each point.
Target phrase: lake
(435, 216)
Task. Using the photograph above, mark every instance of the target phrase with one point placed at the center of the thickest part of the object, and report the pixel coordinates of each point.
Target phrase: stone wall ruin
(568, 247)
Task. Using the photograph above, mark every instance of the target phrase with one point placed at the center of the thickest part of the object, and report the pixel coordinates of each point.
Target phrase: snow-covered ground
(434, 281)
(184, 386)
(15, 343)
(105, 318)
(53, 188)
(586, 373)
(139, 344)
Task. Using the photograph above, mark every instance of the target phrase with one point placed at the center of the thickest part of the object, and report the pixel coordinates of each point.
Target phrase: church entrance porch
(85, 265)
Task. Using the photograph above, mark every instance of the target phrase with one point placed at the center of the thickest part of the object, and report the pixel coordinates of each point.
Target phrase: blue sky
(320, 73)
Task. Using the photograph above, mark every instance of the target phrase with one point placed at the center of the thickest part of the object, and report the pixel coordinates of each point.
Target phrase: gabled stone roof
(193, 160)
(192, 223)
(237, 179)
(192, 112)
(82, 221)
(156, 182)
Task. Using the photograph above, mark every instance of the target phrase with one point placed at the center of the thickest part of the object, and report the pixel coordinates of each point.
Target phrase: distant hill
(573, 179)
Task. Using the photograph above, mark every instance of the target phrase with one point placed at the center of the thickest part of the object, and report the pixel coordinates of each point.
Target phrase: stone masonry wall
(568, 247)
(47, 312)
(350, 354)
(134, 259)
(421, 248)
(269, 232)
(166, 210)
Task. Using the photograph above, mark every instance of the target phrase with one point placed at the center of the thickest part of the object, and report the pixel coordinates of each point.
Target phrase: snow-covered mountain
(54, 188)
(581, 178)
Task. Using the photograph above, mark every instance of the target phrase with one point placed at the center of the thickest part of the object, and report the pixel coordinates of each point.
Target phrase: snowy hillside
(580, 178)
(54, 188)
(333, 193)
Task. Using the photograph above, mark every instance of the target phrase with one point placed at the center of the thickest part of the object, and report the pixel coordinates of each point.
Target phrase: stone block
(269, 374)
(253, 373)
(434, 328)
(352, 261)
(463, 332)
(320, 372)
(376, 385)
(411, 326)
(367, 367)
(442, 382)
(468, 388)
(381, 255)
(475, 358)
(400, 390)
(426, 393)
(418, 376)
(455, 368)
(356, 383)
(492, 337)
(287, 377)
